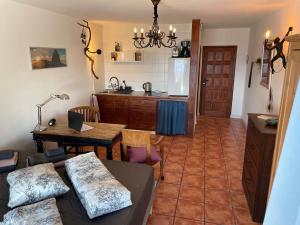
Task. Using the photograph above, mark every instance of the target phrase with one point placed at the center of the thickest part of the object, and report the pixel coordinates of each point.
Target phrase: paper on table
(85, 127)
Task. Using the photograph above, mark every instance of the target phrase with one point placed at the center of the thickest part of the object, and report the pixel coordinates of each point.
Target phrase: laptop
(75, 122)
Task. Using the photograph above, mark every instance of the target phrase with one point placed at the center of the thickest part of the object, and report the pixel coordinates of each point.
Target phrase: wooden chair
(91, 114)
(143, 147)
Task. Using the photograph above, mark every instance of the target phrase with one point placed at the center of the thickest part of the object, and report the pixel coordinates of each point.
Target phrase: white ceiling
(213, 13)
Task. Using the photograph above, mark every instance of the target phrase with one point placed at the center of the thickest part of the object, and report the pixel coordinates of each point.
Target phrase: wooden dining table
(103, 134)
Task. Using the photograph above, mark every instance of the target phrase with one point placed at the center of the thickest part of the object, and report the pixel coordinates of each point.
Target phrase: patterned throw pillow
(41, 213)
(33, 184)
(97, 189)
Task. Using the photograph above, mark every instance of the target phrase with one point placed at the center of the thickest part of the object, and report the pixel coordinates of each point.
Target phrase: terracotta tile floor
(203, 175)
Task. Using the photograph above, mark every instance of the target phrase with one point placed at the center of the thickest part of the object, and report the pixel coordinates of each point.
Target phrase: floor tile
(190, 210)
(173, 167)
(167, 190)
(239, 200)
(243, 217)
(194, 194)
(215, 213)
(236, 185)
(215, 163)
(164, 206)
(172, 178)
(196, 170)
(155, 219)
(175, 158)
(215, 172)
(193, 180)
(218, 183)
(218, 197)
(181, 221)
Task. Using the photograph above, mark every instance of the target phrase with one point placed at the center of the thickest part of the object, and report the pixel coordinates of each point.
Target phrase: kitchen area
(138, 109)
(136, 80)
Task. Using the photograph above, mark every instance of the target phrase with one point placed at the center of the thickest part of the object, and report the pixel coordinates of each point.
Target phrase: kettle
(147, 87)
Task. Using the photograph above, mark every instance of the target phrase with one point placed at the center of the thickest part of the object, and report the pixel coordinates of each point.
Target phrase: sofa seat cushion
(33, 184)
(99, 192)
(40, 213)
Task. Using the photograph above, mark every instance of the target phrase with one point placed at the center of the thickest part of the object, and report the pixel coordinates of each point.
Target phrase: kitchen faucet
(114, 85)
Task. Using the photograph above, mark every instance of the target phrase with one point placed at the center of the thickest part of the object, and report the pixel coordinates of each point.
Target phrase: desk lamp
(39, 126)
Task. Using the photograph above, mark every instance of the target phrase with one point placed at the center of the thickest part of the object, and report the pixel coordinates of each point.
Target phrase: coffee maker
(185, 49)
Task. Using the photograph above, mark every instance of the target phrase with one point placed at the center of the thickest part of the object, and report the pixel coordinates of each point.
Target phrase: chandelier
(155, 37)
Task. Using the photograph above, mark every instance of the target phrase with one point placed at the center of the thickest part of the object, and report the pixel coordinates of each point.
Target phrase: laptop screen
(75, 120)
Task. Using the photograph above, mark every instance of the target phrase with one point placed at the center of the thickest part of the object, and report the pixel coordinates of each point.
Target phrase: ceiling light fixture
(155, 36)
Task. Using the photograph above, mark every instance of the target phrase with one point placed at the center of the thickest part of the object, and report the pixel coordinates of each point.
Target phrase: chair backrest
(89, 113)
(137, 138)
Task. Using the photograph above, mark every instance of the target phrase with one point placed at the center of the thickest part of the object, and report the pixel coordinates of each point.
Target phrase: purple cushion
(139, 154)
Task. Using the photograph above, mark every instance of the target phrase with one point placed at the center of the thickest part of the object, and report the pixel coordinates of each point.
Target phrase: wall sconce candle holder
(278, 45)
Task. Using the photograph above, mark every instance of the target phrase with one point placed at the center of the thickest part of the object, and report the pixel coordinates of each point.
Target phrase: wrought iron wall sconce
(87, 43)
(278, 46)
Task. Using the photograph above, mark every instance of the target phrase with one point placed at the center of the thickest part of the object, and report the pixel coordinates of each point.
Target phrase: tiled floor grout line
(230, 191)
(227, 173)
(204, 207)
(180, 186)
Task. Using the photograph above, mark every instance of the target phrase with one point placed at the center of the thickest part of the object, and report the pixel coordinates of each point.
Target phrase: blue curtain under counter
(171, 117)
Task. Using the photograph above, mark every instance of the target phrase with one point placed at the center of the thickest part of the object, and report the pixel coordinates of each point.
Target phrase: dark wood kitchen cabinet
(113, 109)
(142, 114)
(260, 143)
(137, 111)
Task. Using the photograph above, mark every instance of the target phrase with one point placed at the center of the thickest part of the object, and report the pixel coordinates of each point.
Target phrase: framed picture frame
(44, 57)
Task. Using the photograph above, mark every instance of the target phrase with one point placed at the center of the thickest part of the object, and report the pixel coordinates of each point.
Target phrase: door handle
(204, 82)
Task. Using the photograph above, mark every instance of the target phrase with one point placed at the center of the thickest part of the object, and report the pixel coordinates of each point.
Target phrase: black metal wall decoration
(86, 41)
(278, 45)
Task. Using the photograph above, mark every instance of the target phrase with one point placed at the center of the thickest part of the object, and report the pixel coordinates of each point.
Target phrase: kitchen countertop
(163, 95)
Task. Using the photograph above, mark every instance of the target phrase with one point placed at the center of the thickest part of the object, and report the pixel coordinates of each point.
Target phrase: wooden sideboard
(258, 159)
(137, 110)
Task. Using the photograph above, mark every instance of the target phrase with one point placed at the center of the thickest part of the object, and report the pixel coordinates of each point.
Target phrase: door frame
(235, 47)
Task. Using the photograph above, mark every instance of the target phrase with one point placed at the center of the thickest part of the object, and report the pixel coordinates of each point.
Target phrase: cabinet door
(142, 114)
(120, 114)
(106, 108)
(150, 114)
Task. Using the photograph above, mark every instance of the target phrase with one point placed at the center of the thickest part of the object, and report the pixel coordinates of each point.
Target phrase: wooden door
(218, 68)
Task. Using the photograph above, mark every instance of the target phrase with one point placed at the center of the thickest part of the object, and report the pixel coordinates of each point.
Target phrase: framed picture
(42, 58)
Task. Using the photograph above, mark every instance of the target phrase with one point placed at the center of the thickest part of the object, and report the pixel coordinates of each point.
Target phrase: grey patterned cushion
(98, 191)
(32, 184)
(41, 213)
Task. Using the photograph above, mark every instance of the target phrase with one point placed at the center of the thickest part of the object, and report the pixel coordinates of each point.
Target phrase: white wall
(97, 43)
(256, 97)
(155, 66)
(240, 38)
(21, 88)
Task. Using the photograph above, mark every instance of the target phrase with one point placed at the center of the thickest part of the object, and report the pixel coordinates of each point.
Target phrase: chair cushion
(139, 154)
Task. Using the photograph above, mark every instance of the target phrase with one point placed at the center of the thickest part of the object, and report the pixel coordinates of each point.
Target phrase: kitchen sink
(117, 91)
